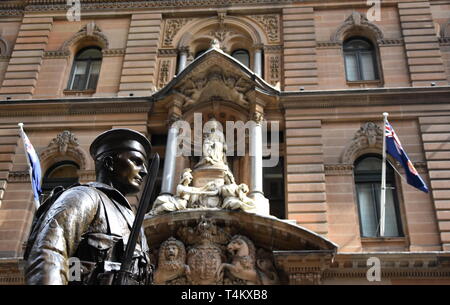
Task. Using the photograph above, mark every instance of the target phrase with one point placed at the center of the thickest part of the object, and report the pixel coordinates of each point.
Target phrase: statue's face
(171, 251)
(129, 170)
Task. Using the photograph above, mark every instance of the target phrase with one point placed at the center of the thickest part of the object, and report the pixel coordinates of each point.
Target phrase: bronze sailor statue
(94, 222)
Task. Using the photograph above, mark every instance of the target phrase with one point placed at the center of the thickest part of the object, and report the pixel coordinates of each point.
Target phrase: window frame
(375, 178)
(248, 56)
(359, 67)
(88, 73)
(48, 184)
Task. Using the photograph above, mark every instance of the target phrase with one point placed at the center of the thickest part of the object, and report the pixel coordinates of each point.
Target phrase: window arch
(243, 56)
(86, 69)
(200, 53)
(360, 60)
(63, 173)
(367, 172)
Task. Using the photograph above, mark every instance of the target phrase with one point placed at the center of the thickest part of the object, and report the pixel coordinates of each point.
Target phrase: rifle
(144, 204)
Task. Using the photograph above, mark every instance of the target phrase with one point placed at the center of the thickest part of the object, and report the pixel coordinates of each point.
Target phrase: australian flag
(35, 170)
(395, 149)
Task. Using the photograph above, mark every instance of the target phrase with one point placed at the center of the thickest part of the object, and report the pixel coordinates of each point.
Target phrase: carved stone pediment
(215, 84)
(215, 76)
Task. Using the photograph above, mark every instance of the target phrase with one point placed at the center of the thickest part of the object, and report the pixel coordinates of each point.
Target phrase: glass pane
(369, 164)
(368, 66)
(351, 67)
(93, 79)
(242, 56)
(64, 171)
(95, 67)
(391, 225)
(367, 210)
(80, 67)
(91, 53)
(199, 53)
(357, 44)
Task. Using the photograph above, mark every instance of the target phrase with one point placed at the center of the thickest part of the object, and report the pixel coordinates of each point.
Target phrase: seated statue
(235, 196)
(214, 148)
(186, 196)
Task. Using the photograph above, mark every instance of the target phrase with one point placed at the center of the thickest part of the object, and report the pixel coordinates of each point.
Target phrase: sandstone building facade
(325, 71)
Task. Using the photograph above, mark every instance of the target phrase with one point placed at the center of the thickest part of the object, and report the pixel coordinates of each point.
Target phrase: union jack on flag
(395, 149)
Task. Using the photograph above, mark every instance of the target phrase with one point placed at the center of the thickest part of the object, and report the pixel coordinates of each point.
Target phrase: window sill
(89, 92)
(382, 239)
(365, 83)
(384, 243)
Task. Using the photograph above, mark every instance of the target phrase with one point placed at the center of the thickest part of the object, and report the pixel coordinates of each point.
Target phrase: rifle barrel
(139, 219)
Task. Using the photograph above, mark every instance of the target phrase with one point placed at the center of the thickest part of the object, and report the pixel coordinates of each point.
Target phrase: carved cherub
(171, 264)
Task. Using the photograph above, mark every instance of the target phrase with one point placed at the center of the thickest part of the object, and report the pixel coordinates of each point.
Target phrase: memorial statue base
(206, 175)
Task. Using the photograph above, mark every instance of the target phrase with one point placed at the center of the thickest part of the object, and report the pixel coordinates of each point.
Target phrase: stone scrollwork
(64, 144)
(214, 255)
(89, 31)
(270, 24)
(63, 140)
(356, 21)
(369, 136)
(172, 28)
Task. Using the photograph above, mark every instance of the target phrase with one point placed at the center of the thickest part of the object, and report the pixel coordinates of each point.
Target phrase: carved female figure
(214, 147)
(186, 196)
(235, 196)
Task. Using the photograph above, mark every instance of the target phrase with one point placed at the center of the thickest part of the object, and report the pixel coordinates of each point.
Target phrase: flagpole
(383, 180)
(30, 171)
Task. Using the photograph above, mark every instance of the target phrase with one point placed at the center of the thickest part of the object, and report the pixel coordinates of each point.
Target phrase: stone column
(256, 165)
(182, 58)
(256, 184)
(169, 171)
(258, 62)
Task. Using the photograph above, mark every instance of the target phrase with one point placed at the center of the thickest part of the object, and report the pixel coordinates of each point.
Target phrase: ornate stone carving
(214, 183)
(4, 49)
(63, 140)
(271, 25)
(172, 28)
(258, 117)
(274, 65)
(214, 147)
(113, 52)
(215, 255)
(64, 144)
(171, 261)
(167, 52)
(368, 136)
(89, 31)
(356, 21)
(204, 86)
(164, 73)
(57, 54)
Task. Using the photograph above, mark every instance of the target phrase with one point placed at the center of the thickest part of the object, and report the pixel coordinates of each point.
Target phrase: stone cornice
(71, 106)
(365, 97)
(393, 264)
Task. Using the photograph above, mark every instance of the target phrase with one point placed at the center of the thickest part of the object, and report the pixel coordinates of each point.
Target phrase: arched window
(86, 69)
(64, 173)
(368, 189)
(199, 53)
(360, 60)
(243, 56)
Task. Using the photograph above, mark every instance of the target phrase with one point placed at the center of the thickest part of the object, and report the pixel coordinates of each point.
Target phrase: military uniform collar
(111, 191)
